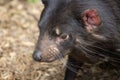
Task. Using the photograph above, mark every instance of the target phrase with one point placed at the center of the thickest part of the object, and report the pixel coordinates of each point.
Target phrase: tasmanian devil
(88, 31)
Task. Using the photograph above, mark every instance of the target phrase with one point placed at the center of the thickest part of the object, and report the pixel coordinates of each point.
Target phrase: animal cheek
(59, 40)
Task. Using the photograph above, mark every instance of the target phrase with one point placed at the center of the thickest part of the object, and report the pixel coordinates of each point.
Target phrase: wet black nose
(37, 55)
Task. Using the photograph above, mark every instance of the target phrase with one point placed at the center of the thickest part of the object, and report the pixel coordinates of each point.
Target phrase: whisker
(69, 67)
(94, 53)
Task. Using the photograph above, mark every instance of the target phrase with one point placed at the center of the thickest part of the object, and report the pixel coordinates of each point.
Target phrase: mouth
(52, 54)
(49, 60)
(53, 57)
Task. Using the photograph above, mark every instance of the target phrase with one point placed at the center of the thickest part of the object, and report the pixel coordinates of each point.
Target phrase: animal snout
(37, 55)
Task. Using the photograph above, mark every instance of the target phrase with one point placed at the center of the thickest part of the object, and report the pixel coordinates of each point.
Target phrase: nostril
(36, 56)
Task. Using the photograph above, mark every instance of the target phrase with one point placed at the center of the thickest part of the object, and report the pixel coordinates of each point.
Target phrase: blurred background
(18, 35)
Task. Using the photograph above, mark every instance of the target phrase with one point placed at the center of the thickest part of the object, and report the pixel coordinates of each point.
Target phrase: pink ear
(91, 19)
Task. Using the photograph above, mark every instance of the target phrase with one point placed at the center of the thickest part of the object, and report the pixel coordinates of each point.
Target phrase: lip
(51, 59)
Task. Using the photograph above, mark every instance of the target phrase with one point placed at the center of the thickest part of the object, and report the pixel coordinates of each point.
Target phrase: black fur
(81, 46)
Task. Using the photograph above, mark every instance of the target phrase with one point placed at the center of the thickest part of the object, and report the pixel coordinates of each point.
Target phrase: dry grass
(18, 34)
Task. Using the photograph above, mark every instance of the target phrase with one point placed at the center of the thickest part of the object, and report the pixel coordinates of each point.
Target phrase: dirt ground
(18, 35)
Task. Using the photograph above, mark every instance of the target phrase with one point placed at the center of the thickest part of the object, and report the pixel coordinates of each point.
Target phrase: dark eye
(64, 36)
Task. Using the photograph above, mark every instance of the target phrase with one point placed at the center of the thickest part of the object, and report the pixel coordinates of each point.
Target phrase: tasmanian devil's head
(57, 29)
(64, 24)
